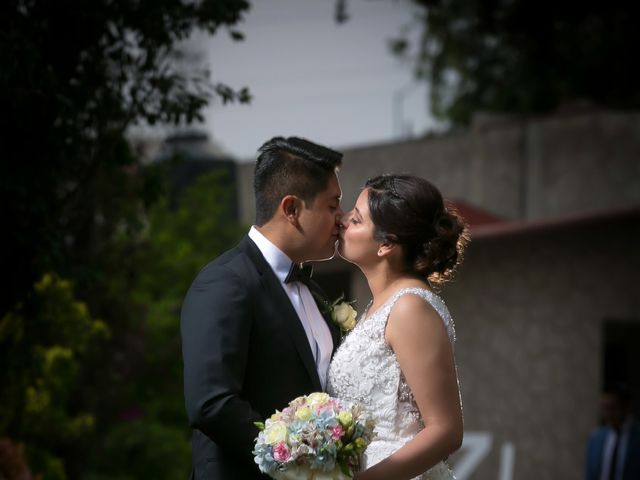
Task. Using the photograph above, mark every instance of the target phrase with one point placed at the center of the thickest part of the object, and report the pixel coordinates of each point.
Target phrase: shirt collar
(279, 262)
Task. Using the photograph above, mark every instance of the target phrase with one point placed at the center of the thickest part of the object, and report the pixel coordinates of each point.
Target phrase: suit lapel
(273, 289)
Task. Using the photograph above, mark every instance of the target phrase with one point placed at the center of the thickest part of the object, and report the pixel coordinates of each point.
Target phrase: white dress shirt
(317, 330)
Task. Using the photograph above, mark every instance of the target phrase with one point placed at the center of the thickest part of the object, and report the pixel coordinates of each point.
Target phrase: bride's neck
(383, 280)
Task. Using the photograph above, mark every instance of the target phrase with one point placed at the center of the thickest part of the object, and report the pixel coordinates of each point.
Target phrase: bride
(398, 361)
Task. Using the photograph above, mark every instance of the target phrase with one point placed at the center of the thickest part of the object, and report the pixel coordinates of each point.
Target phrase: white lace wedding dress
(365, 369)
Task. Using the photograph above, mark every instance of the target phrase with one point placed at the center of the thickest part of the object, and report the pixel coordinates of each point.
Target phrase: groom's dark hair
(291, 166)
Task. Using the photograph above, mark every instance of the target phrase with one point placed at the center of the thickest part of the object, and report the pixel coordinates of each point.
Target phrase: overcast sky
(333, 83)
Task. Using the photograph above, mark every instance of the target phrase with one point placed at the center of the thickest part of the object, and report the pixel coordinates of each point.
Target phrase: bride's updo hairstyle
(409, 211)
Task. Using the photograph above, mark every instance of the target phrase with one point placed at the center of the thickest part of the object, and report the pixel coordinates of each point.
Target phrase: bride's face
(357, 244)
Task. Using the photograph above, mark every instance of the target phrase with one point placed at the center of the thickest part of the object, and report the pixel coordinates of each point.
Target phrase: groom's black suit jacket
(245, 355)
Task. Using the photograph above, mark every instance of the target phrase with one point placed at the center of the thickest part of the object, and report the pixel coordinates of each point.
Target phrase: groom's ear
(291, 207)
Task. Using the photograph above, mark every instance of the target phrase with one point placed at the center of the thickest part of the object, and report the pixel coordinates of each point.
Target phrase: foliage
(75, 75)
(79, 238)
(42, 353)
(524, 56)
(183, 239)
(142, 448)
(150, 426)
(136, 423)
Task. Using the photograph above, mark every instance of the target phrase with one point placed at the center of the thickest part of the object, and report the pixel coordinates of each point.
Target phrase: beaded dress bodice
(365, 369)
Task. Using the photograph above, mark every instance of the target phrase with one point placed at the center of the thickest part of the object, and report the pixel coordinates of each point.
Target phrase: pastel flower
(345, 418)
(305, 439)
(281, 452)
(325, 458)
(344, 315)
(336, 432)
(326, 419)
(317, 398)
(304, 413)
(264, 458)
(275, 432)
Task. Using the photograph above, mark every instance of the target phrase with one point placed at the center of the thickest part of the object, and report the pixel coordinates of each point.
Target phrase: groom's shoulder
(234, 263)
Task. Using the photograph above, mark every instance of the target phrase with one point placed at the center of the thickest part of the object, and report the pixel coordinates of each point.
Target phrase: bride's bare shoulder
(410, 305)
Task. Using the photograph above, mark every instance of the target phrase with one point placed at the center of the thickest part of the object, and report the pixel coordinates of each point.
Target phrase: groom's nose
(344, 219)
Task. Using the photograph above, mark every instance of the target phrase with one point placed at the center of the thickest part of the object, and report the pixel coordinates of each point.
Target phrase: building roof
(484, 224)
(473, 215)
(521, 227)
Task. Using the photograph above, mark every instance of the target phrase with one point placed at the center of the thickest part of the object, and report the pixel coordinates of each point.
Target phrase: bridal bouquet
(315, 437)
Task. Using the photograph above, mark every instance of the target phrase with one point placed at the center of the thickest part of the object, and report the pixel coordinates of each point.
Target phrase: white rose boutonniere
(340, 311)
(343, 315)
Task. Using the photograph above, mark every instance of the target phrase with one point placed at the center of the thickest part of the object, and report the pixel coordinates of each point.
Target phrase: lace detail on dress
(365, 369)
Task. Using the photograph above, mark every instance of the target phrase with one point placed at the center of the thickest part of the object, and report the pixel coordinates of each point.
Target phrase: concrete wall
(447, 160)
(514, 167)
(529, 312)
(582, 162)
(517, 167)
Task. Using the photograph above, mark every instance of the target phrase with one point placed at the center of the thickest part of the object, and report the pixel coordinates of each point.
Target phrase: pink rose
(281, 452)
(336, 432)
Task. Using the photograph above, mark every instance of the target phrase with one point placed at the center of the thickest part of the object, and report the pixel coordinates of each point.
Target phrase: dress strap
(432, 299)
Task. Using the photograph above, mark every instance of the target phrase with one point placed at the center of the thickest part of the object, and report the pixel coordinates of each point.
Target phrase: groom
(253, 338)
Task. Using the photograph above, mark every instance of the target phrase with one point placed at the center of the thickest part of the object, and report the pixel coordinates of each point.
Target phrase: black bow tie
(299, 274)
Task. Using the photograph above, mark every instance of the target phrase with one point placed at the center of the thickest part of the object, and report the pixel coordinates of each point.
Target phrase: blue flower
(264, 458)
(296, 427)
(326, 419)
(325, 458)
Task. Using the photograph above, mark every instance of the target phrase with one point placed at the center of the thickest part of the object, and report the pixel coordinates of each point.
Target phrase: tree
(75, 76)
(154, 442)
(44, 342)
(75, 213)
(524, 56)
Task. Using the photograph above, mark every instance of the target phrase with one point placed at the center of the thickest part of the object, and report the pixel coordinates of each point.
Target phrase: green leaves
(75, 77)
(228, 95)
(145, 448)
(523, 56)
(89, 321)
(43, 351)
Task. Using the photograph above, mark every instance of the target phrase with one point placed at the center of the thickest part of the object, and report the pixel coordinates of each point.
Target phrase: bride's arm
(417, 335)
